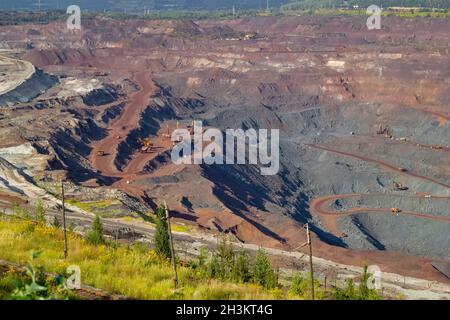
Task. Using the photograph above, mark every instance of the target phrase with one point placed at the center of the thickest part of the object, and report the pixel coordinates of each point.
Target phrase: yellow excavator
(146, 145)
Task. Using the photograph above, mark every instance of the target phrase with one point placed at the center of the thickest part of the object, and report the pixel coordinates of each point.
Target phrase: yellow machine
(146, 144)
(395, 210)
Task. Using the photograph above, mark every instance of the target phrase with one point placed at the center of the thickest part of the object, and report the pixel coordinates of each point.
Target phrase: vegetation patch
(132, 271)
(136, 271)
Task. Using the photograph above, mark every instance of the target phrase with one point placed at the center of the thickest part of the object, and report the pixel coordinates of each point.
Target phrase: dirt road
(381, 164)
(329, 217)
(120, 128)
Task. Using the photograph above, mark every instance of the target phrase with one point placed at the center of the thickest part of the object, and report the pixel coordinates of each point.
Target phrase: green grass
(105, 208)
(132, 271)
(180, 228)
(93, 205)
(150, 220)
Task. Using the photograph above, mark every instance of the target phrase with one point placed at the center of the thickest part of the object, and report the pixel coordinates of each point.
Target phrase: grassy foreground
(133, 271)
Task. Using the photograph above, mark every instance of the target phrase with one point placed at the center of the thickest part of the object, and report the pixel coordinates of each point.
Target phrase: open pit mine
(363, 119)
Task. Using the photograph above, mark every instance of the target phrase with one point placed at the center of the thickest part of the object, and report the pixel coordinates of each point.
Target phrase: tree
(263, 272)
(161, 237)
(363, 292)
(201, 263)
(39, 212)
(241, 270)
(95, 235)
(348, 293)
(222, 264)
(300, 285)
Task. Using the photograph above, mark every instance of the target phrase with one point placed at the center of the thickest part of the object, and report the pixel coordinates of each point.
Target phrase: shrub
(363, 292)
(20, 212)
(56, 223)
(301, 286)
(95, 235)
(347, 293)
(225, 263)
(33, 284)
(39, 212)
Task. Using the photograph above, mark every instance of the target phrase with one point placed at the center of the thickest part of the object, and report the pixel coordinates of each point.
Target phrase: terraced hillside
(363, 119)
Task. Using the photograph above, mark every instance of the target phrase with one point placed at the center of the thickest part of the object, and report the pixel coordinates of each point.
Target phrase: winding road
(121, 127)
(329, 217)
(118, 130)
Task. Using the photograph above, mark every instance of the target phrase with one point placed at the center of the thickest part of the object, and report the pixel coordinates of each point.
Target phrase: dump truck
(101, 153)
(400, 187)
(395, 210)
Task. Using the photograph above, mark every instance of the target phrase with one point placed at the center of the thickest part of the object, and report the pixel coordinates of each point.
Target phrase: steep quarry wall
(26, 86)
(13, 73)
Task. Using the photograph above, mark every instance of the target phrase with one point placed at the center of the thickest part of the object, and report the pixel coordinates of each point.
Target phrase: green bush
(32, 284)
(226, 263)
(363, 292)
(301, 286)
(39, 212)
(95, 235)
(56, 223)
(20, 212)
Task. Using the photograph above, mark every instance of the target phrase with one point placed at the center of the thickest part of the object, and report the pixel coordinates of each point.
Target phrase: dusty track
(14, 73)
(122, 127)
(380, 163)
(329, 217)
